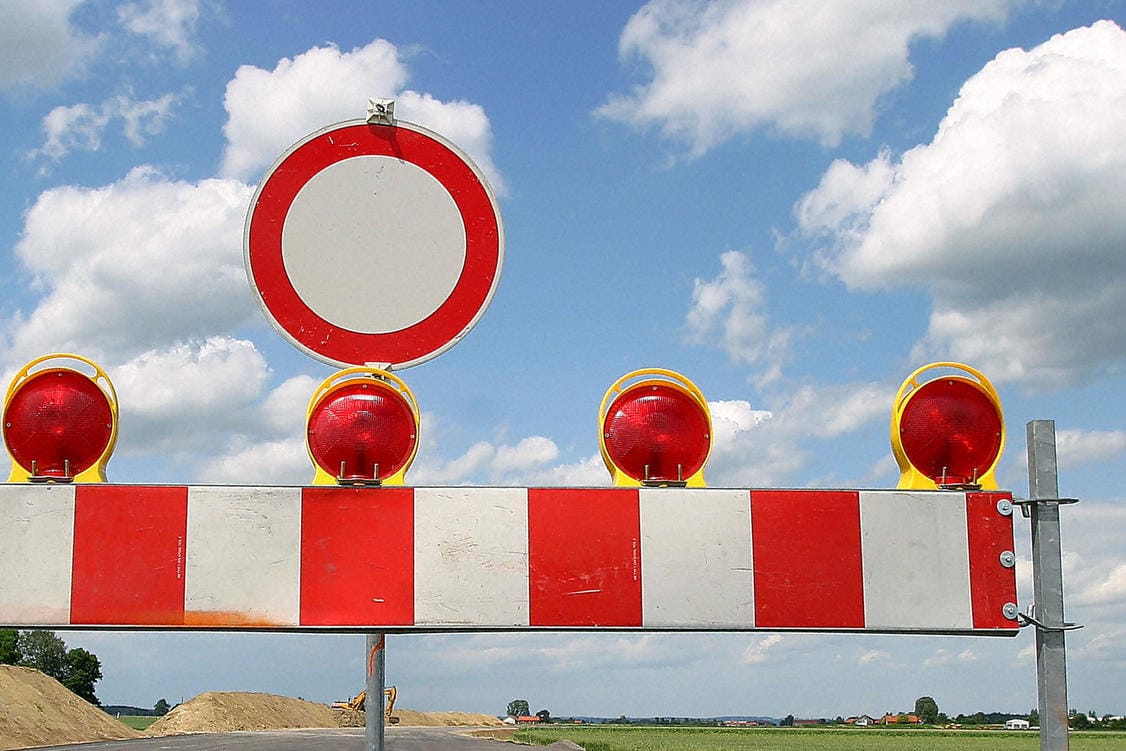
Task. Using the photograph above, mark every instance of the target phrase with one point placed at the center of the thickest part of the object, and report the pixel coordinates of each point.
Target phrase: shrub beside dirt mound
(225, 711)
(36, 710)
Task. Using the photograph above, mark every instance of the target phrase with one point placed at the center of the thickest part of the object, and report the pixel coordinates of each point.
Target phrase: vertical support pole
(1047, 577)
(373, 705)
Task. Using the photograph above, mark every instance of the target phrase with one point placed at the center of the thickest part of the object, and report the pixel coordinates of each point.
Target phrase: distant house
(1016, 725)
(527, 719)
(861, 721)
(895, 719)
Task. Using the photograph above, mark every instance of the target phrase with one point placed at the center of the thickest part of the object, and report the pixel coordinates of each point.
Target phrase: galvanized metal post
(1047, 577)
(373, 703)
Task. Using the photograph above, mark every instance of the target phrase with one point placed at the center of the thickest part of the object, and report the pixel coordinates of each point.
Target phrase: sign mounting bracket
(381, 111)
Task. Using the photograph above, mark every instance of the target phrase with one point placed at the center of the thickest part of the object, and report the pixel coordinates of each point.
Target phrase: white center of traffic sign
(374, 244)
(358, 215)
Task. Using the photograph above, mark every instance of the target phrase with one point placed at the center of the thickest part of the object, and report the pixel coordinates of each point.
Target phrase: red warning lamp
(362, 429)
(60, 424)
(947, 432)
(655, 430)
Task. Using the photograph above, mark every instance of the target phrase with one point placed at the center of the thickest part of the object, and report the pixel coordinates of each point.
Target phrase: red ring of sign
(340, 346)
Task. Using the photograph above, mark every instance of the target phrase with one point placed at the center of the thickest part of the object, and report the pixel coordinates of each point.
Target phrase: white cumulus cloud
(1075, 447)
(269, 110)
(761, 448)
(168, 23)
(186, 397)
(761, 650)
(730, 310)
(39, 46)
(132, 266)
(800, 67)
(81, 126)
(1010, 217)
(529, 461)
(1109, 588)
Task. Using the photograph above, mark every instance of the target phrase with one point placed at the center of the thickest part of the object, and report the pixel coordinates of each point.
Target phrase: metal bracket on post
(1027, 504)
(1029, 619)
(1047, 579)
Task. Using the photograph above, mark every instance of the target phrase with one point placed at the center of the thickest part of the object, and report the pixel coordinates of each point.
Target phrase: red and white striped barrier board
(472, 558)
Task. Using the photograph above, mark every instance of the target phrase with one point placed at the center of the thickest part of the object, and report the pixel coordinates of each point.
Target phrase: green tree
(10, 647)
(544, 715)
(44, 651)
(83, 670)
(161, 708)
(518, 708)
(76, 669)
(1034, 717)
(1079, 721)
(927, 709)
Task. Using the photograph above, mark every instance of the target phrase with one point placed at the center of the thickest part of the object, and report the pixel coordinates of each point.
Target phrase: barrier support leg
(373, 706)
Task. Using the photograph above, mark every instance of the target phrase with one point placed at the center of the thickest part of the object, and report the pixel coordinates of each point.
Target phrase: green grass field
(630, 738)
(137, 723)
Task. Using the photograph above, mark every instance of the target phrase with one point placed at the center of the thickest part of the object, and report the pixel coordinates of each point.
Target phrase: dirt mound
(39, 711)
(444, 719)
(224, 711)
(350, 718)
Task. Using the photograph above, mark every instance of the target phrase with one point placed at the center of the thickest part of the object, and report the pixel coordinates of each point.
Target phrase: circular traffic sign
(374, 244)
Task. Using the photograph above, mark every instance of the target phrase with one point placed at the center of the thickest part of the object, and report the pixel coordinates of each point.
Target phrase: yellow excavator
(357, 704)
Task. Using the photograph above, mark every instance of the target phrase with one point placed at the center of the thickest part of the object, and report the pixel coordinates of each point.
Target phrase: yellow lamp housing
(655, 430)
(948, 431)
(362, 428)
(60, 423)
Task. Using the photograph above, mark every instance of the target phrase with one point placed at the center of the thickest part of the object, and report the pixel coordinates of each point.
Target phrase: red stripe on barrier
(357, 557)
(992, 584)
(807, 559)
(129, 555)
(584, 557)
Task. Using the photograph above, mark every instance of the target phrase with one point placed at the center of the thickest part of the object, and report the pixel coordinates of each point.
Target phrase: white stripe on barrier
(37, 537)
(471, 556)
(916, 561)
(243, 555)
(696, 566)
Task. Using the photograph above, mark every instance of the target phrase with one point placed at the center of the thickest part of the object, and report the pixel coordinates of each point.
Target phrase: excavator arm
(357, 704)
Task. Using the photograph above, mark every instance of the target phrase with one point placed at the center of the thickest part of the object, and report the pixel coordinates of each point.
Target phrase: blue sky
(795, 204)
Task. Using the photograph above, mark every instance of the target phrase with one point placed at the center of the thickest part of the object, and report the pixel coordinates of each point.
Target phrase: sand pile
(39, 711)
(350, 718)
(224, 711)
(444, 719)
(220, 712)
